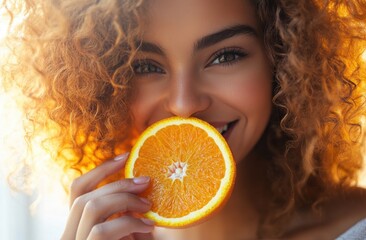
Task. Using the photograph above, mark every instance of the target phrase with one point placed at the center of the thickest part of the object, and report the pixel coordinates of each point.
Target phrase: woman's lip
(220, 124)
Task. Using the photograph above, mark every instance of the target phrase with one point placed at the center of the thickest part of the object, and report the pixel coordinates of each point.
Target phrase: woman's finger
(120, 227)
(100, 209)
(90, 180)
(135, 186)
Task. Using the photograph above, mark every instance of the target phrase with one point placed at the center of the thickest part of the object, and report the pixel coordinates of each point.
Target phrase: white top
(356, 232)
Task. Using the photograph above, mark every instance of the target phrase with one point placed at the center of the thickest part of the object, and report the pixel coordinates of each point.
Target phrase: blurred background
(36, 216)
(40, 215)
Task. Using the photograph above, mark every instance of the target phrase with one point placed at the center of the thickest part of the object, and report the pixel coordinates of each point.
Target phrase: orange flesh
(177, 198)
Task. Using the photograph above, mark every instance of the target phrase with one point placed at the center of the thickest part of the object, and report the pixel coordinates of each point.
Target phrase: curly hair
(73, 65)
(315, 135)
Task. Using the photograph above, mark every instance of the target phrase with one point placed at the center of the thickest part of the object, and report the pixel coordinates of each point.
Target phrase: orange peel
(191, 167)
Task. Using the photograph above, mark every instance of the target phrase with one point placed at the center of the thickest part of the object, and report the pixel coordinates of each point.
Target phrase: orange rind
(191, 167)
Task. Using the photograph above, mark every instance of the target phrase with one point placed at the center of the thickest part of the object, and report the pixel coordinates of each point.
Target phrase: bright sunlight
(47, 211)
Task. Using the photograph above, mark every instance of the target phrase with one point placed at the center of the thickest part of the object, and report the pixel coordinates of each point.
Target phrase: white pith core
(177, 170)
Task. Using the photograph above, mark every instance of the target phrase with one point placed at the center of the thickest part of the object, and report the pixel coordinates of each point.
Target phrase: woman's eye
(143, 67)
(227, 57)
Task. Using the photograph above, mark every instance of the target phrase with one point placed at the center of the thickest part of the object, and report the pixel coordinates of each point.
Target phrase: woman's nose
(186, 97)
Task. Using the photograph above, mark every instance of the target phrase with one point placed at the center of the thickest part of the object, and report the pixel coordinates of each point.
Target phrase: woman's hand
(90, 207)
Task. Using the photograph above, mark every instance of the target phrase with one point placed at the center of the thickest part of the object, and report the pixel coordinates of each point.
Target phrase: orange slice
(191, 168)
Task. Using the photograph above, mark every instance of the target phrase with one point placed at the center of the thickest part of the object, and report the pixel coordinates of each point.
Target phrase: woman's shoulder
(339, 215)
(357, 231)
(350, 213)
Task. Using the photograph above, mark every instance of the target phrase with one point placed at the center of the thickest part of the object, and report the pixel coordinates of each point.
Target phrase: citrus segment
(191, 168)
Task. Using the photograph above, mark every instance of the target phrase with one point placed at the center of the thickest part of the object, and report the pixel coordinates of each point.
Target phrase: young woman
(284, 76)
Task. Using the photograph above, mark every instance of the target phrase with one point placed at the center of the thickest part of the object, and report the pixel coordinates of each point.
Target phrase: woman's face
(204, 59)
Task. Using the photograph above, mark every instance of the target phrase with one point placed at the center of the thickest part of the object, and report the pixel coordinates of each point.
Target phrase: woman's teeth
(223, 129)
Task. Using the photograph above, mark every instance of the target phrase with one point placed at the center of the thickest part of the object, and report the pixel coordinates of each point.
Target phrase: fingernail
(141, 180)
(121, 157)
(144, 200)
(148, 221)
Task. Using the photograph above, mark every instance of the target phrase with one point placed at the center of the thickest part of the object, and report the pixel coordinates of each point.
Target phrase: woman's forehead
(195, 18)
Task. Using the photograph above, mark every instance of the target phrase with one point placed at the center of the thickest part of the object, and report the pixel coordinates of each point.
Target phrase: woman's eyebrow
(204, 42)
(224, 34)
(149, 47)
